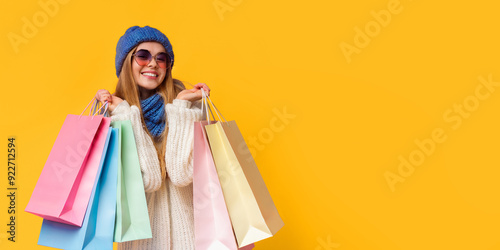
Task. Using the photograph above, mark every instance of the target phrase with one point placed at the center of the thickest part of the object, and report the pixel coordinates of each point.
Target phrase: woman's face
(151, 75)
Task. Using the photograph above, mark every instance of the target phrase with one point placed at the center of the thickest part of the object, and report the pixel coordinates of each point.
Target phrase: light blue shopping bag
(98, 225)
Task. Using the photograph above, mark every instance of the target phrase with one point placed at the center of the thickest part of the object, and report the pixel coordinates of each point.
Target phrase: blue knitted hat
(135, 35)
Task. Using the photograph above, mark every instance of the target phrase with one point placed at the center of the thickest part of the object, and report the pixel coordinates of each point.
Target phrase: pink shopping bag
(213, 229)
(63, 189)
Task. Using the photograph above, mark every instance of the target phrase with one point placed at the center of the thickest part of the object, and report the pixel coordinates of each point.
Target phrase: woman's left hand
(193, 94)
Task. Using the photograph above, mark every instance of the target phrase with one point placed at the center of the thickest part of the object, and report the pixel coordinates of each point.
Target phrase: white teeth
(149, 74)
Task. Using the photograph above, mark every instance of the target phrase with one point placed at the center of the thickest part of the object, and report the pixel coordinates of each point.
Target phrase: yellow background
(353, 120)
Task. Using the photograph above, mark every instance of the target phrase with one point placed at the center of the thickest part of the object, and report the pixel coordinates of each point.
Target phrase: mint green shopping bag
(132, 219)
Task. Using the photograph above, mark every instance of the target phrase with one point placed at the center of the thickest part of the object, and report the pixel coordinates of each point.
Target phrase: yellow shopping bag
(252, 211)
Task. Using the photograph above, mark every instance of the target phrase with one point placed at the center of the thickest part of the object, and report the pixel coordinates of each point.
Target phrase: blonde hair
(127, 89)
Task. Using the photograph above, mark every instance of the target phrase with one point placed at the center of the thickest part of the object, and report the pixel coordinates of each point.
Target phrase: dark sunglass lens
(162, 57)
(162, 60)
(143, 56)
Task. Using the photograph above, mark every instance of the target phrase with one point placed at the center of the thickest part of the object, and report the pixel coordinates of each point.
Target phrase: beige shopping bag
(252, 211)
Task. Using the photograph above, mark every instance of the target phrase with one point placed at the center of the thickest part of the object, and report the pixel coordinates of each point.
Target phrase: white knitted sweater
(170, 201)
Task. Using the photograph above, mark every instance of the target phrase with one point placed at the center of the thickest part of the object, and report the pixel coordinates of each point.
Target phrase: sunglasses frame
(168, 62)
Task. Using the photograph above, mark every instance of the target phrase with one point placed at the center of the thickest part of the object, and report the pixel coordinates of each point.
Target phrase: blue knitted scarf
(153, 109)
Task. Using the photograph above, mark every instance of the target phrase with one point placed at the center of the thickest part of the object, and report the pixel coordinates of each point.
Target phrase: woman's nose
(153, 63)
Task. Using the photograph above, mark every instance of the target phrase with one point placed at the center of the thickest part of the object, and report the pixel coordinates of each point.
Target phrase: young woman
(162, 113)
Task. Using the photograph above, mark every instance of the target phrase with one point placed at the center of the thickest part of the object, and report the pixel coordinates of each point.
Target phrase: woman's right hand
(103, 95)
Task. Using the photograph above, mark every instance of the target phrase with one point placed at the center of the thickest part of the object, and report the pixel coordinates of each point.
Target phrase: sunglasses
(144, 57)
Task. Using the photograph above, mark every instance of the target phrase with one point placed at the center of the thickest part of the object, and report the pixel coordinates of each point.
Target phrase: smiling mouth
(149, 74)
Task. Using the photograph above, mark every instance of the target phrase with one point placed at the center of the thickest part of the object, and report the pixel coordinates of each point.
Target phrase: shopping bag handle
(96, 105)
(204, 106)
(217, 112)
(206, 99)
(93, 114)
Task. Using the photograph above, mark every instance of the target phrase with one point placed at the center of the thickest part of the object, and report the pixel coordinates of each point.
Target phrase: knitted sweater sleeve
(148, 158)
(181, 115)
